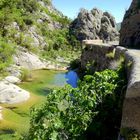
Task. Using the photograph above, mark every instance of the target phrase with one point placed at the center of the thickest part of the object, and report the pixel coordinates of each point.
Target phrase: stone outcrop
(10, 93)
(33, 32)
(130, 28)
(14, 70)
(28, 60)
(12, 79)
(95, 55)
(94, 24)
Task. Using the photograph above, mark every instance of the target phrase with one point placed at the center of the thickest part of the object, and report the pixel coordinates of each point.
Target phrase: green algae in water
(42, 81)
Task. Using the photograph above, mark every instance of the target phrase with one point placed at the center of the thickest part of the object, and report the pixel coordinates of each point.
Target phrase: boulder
(12, 79)
(28, 60)
(14, 70)
(130, 27)
(10, 93)
(94, 24)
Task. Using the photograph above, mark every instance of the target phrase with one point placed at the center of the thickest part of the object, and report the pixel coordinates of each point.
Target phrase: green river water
(17, 116)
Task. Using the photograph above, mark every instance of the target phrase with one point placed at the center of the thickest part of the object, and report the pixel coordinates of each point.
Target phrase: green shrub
(129, 134)
(27, 5)
(25, 75)
(6, 52)
(75, 64)
(25, 41)
(111, 55)
(68, 112)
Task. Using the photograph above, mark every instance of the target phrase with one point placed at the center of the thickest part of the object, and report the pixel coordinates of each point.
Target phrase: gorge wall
(105, 56)
(130, 28)
(94, 24)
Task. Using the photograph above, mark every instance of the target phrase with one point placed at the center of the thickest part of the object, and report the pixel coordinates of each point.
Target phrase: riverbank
(17, 116)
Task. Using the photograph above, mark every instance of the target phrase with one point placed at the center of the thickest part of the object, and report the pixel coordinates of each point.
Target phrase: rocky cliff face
(130, 28)
(94, 24)
(26, 22)
(32, 25)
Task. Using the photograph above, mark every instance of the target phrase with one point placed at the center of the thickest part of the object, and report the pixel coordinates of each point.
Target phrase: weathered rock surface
(10, 93)
(28, 60)
(12, 79)
(130, 28)
(94, 24)
(33, 32)
(96, 56)
(14, 70)
(31, 61)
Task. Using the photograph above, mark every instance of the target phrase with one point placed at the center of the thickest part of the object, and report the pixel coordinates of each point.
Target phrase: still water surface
(70, 77)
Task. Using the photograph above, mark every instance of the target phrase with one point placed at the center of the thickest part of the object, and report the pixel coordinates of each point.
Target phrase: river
(17, 116)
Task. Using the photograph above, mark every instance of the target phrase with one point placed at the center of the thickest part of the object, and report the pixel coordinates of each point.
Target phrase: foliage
(115, 64)
(111, 55)
(57, 17)
(5, 19)
(58, 44)
(106, 123)
(75, 64)
(68, 112)
(129, 64)
(26, 41)
(28, 5)
(25, 74)
(17, 16)
(56, 39)
(130, 134)
(6, 51)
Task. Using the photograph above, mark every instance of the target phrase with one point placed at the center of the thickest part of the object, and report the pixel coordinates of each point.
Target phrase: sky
(71, 8)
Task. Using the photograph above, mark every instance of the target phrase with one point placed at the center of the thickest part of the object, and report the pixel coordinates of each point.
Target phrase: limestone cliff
(26, 22)
(94, 24)
(130, 28)
(32, 25)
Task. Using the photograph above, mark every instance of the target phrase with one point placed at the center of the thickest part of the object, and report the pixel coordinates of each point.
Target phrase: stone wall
(131, 107)
(95, 55)
(101, 56)
(105, 56)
